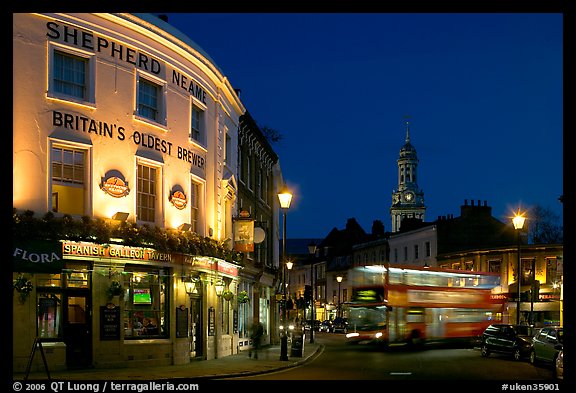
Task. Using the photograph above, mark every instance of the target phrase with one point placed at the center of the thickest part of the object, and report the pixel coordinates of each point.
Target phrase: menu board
(110, 322)
(181, 322)
(211, 321)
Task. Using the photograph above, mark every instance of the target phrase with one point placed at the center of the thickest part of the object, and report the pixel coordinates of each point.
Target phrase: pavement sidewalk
(229, 366)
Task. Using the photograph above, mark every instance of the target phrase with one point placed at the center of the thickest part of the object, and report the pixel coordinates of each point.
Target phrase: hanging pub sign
(115, 186)
(244, 232)
(178, 200)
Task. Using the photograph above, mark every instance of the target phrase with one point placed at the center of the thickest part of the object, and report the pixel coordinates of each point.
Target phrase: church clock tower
(408, 199)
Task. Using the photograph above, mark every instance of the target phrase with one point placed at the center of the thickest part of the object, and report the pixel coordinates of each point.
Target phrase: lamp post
(339, 279)
(289, 265)
(518, 222)
(312, 251)
(285, 198)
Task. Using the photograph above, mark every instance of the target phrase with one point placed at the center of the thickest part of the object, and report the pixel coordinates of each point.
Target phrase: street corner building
(126, 172)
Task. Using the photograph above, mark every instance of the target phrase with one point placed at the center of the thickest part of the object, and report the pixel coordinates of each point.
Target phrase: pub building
(121, 121)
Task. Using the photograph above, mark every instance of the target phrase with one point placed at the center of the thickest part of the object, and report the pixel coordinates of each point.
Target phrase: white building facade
(122, 118)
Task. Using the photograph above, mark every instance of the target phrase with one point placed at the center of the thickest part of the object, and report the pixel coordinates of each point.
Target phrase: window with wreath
(145, 306)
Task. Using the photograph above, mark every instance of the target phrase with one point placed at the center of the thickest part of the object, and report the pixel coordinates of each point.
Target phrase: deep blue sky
(483, 92)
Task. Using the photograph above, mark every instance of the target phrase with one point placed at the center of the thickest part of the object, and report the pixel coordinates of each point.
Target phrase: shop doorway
(196, 337)
(78, 330)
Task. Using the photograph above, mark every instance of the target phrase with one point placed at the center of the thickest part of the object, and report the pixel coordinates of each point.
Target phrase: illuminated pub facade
(121, 122)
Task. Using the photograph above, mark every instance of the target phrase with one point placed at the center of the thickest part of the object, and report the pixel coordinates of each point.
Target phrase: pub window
(145, 300)
(259, 184)
(416, 251)
(49, 314)
(150, 104)
(196, 198)
(494, 266)
(197, 124)
(249, 172)
(70, 77)
(225, 307)
(68, 179)
(228, 149)
(428, 249)
(265, 184)
(552, 271)
(242, 160)
(147, 193)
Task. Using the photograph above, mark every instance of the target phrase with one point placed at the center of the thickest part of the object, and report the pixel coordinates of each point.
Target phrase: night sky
(483, 93)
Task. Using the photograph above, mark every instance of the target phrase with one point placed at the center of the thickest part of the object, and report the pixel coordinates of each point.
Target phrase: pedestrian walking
(256, 335)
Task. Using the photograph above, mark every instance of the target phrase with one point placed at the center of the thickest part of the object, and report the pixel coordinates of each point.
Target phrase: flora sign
(37, 256)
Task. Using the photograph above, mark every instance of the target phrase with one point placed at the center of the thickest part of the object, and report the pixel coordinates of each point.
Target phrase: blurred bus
(420, 305)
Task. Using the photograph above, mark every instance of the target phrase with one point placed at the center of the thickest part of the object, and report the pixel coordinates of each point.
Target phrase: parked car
(308, 323)
(340, 325)
(514, 340)
(559, 365)
(546, 344)
(326, 326)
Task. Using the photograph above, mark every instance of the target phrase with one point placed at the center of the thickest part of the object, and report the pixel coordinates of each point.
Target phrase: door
(78, 331)
(196, 337)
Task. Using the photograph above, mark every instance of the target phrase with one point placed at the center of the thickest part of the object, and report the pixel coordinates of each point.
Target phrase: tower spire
(407, 129)
(407, 132)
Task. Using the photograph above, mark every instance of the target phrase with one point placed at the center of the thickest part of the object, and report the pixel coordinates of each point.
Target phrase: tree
(544, 226)
(271, 135)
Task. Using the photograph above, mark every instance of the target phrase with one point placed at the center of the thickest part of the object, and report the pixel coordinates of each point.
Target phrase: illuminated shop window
(49, 315)
(494, 266)
(145, 312)
(68, 180)
(70, 75)
(55, 291)
(146, 193)
(197, 126)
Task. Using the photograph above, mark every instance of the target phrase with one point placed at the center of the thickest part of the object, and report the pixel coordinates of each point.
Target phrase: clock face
(409, 196)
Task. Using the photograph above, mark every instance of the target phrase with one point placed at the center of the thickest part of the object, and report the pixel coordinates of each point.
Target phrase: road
(340, 361)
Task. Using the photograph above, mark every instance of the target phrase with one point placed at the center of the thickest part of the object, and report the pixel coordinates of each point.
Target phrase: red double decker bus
(420, 305)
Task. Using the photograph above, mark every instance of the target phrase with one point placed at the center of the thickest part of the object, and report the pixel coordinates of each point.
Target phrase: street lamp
(289, 265)
(518, 222)
(312, 251)
(339, 279)
(285, 198)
